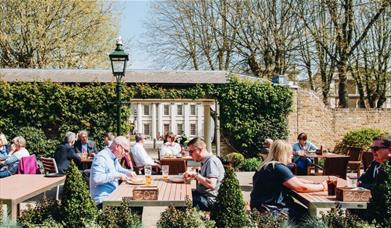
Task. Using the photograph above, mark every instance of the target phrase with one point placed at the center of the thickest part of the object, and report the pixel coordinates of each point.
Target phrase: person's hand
(123, 177)
(189, 175)
(132, 175)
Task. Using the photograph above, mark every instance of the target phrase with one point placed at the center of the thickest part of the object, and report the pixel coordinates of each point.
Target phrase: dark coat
(368, 180)
(91, 147)
(64, 154)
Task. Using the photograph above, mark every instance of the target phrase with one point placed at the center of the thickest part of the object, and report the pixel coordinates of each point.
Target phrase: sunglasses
(126, 150)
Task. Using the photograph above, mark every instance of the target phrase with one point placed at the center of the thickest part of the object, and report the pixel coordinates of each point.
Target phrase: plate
(138, 181)
(176, 179)
(54, 175)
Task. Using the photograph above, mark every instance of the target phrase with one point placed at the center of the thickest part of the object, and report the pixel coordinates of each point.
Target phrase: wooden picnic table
(324, 155)
(169, 193)
(317, 200)
(20, 187)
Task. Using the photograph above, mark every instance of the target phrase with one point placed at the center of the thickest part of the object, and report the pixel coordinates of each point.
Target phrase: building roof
(132, 76)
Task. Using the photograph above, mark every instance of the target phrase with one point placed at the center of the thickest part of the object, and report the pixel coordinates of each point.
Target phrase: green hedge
(250, 111)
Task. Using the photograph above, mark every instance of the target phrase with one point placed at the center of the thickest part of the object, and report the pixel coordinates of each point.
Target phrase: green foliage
(56, 108)
(45, 212)
(76, 200)
(119, 217)
(230, 213)
(267, 220)
(37, 143)
(337, 219)
(235, 159)
(250, 164)
(188, 217)
(251, 111)
(358, 138)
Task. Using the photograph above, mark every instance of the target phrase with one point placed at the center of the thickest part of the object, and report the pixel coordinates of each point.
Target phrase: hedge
(250, 111)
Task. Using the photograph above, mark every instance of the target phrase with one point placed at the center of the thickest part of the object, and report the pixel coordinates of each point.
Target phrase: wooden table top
(18, 187)
(322, 199)
(169, 193)
(324, 155)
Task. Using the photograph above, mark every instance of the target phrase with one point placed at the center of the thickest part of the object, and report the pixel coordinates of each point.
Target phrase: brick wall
(326, 126)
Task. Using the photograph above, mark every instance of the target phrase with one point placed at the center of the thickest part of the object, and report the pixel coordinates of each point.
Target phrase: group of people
(10, 154)
(274, 179)
(106, 170)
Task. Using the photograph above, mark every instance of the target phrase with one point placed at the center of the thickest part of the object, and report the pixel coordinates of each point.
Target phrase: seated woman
(300, 147)
(4, 147)
(273, 180)
(170, 148)
(10, 164)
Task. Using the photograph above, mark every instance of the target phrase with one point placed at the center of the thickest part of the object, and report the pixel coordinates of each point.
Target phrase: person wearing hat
(381, 150)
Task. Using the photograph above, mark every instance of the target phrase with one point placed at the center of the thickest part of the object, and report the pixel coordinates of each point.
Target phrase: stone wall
(327, 126)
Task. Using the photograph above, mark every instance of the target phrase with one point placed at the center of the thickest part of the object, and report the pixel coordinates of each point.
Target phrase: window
(192, 110)
(166, 128)
(166, 110)
(146, 110)
(146, 129)
(179, 110)
(193, 129)
(179, 129)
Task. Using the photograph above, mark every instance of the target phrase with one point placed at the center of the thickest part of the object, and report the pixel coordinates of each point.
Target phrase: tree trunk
(342, 90)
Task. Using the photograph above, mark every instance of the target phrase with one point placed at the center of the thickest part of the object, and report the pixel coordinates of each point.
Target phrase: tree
(344, 15)
(230, 213)
(76, 203)
(55, 33)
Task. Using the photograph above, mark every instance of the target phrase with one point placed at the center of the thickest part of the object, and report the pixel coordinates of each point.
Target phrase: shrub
(267, 220)
(250, 164)
(358, 138)
(37, 142)
(188, 217)
(76, 200)
(235, 159)
(337, 219)
(248, 109)
(118, 217)
(229, 209)
(44, 212)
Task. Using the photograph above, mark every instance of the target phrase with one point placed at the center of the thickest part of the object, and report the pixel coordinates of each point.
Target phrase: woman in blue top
(273, 181)
(302, 146)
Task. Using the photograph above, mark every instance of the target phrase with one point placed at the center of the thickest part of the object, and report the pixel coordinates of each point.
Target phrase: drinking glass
(351, 180)
(331, 185)
(165, 171)
(148, 173)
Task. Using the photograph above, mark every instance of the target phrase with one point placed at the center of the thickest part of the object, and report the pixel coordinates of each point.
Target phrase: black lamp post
(118, 60)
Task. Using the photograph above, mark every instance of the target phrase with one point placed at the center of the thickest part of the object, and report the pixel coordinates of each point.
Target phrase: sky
(133, 13)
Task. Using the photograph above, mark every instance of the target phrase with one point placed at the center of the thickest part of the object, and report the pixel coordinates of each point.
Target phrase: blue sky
(134, 12)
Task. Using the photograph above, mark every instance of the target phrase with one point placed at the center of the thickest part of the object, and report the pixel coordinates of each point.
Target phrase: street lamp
(118, 60)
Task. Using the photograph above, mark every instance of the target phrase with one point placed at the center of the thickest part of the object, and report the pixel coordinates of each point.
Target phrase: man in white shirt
(18, 150)
(140, 156)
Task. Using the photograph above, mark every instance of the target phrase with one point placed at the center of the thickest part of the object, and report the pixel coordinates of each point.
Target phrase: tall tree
(344, 15)
(55, 33)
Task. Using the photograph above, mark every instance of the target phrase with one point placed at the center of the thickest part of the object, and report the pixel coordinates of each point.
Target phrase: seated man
(9, 166)
(83, 145)
(140, 155)
(302, 146)
(106, 170)
(210, 177)
(381, 149)
(65, 153)
(267, 144)
(108, 138)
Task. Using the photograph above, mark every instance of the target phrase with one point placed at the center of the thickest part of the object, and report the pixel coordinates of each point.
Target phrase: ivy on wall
(250, 111)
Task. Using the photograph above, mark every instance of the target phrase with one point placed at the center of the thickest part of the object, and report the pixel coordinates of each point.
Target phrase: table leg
(12, 210)
(313, 211)
(316, 160)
